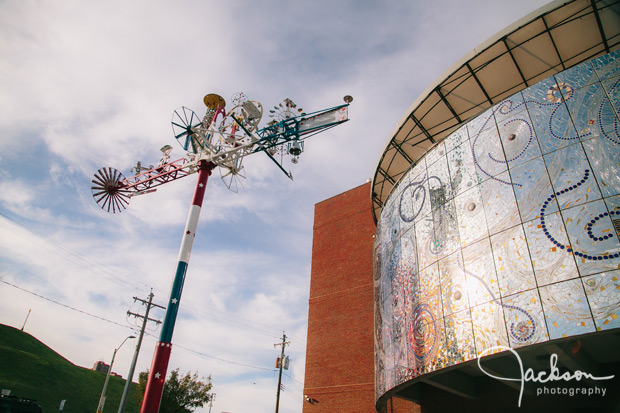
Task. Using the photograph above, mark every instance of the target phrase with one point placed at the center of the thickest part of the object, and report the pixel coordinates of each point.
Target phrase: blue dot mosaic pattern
(506, 232)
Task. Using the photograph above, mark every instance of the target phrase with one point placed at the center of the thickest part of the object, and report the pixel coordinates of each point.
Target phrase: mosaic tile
(456, 138)
(571, 177)
(603, 291)
(512, 261)
(489, 327)
(481, 280)
(549, 115)
(545, 239)
(525, 321)
(566, 309)
(488, 154)
(584, 107)
(592, 237)
(470, 216)
(437, 152)
(439, 184)
(445, 227)
(414, 200)
(463, 175)
(459, 338)
(425, 240)
(607, 66)
(453, 285)
(578, 76)
(518, 139)
(508, 108)
(500, 205)
(532, 188)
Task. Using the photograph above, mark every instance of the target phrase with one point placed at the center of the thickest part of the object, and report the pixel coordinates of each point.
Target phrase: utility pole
(281, 363)
(211, 401)
(27, 315)
(145, 319)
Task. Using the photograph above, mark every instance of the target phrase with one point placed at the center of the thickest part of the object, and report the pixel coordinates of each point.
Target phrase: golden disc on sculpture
(214, 101)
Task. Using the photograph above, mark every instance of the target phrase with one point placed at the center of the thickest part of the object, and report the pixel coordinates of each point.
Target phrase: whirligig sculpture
(219, 140)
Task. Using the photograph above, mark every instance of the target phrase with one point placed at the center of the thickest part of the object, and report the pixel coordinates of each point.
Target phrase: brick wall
(340, 350)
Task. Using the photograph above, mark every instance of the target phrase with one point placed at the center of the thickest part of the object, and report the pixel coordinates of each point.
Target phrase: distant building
(497, 211)
(101, 367)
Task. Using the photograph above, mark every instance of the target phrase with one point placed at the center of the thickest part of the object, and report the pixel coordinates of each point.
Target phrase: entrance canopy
(554, 38)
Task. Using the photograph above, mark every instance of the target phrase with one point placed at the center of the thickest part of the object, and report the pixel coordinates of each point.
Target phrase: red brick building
(340, 351)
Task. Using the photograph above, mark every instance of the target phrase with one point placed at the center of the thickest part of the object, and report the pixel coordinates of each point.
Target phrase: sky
(90, 84)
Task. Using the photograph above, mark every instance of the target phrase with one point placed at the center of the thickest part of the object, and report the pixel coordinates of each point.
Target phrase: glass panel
(489, 326)
(509, 107)
(463, 175)
(578, 76)
(470, 214)
(459, 338)
(593, 239)
(603, 291)
(547, 243)
(607, 66)
(457, 138)
(584, 109)
(549, 115)
(435, 153)
(518, 139)
(480, 274)
(453, 286)
(500, 206)
(512, 262)
(488, 154)
(566, 309)
(532, 188)
(525, 321)
(571, 177)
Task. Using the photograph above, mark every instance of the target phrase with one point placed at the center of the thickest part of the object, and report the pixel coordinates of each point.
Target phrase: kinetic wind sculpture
(220, 140)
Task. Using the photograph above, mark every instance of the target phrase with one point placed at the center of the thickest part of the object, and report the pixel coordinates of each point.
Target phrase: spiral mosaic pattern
(507, 231)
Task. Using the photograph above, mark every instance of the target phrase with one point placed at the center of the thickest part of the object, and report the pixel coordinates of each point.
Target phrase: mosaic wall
(503, 234)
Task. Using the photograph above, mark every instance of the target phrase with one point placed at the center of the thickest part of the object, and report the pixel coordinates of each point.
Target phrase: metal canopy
(554, 38)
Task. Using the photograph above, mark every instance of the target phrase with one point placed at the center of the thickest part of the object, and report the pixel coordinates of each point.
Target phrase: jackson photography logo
(546, 377)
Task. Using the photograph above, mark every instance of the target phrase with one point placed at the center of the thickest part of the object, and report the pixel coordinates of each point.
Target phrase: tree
(181, 394)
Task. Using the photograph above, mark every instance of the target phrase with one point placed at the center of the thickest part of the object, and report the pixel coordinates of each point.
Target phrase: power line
(221, 359)
(82, 260)
(126, 326)
(123, 280)
(64, 305)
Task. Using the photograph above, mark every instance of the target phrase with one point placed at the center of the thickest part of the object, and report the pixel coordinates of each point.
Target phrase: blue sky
(90, 84)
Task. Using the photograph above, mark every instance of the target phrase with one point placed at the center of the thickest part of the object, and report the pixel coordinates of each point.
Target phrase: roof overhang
(554, 38)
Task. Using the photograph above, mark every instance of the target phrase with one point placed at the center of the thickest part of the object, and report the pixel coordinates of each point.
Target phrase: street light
(107, 377)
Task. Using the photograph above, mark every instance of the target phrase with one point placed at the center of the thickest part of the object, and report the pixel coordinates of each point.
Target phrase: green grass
(31, 370)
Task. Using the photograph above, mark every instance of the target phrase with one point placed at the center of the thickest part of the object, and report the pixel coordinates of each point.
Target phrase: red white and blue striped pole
(161, 356)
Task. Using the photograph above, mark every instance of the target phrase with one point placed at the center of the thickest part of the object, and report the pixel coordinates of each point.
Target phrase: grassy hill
(32, 370)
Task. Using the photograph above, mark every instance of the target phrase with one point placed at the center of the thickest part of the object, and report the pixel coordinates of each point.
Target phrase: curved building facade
(506, 232)
(502, 234)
